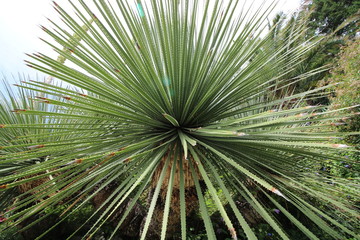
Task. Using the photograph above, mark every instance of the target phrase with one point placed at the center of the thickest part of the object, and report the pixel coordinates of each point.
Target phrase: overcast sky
(20, 32)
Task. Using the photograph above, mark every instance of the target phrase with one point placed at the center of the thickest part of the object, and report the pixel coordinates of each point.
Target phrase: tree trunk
(174, 226)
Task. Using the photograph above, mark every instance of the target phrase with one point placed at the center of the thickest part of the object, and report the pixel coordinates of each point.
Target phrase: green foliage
(9, 233)
(320, 18)
(178, 109)
(329, 14)
(322, 56)
(346, 74)
(317, 60)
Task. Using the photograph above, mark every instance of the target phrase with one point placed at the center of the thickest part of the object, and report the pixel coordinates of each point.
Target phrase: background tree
(320, 19)
(328, 15)
(346, 74)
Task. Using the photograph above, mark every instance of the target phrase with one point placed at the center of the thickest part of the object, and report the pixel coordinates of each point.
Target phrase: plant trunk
(174, 226)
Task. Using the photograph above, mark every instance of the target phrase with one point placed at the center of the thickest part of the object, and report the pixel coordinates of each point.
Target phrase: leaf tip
(80, 160)
(233, 233)
(18, 110)
(301, 115)
(43, 98)
(339, 146)
(277, 192)
(36, 146)
(67, 98)
(240, 134)
(44, 28)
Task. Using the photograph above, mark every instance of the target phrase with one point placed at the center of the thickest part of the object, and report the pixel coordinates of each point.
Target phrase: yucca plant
(179, 107)
(17, 138)
(22, 139)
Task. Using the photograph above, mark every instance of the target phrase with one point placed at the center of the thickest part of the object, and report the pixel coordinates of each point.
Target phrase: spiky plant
(19, 138)
(179, 107)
